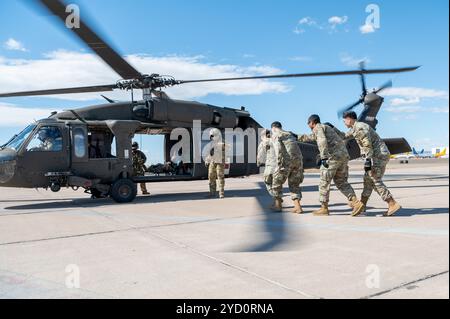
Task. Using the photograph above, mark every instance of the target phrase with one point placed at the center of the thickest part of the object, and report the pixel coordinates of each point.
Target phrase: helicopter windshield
(17, 141)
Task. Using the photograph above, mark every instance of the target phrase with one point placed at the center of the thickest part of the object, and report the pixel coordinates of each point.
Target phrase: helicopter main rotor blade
(350, 107)
(385, 86)
(362, 66)
(304, 75)
(94, 41)
(83, 89)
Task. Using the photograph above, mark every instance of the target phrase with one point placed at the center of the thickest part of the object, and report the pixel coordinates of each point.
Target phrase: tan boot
(144, 189)
(277, 205)
(323, 211)
(393, 207)
(364, 200)
(358, 208)
(297, 207)
(352, 201)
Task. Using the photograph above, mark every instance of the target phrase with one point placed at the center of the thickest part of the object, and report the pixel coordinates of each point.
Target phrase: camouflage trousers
(143, 185)
(294, 176)
(374, 180)
(216, 176)
(268, 181)
(337, 172)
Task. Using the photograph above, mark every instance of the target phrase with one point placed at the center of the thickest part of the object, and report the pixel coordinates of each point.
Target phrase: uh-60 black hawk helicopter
(25, 161)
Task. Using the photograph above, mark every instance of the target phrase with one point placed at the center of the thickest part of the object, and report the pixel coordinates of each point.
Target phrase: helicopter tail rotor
(365, 92)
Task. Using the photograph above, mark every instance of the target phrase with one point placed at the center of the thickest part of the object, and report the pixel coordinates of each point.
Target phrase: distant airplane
(441, 153)
(421, 154)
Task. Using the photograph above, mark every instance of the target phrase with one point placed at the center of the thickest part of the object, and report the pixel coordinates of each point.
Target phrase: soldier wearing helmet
(376, 155)
(289, 166)
(215, 161)
(139, 167)
(333, 164)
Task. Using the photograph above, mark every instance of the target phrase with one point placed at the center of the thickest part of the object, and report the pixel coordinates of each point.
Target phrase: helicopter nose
(7, 165)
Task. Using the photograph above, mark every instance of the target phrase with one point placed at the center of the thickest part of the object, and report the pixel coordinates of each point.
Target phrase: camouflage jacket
(370, 143)
(139, 160)
(217, 153)
(331, 145)
(287, 150)
(267, 157)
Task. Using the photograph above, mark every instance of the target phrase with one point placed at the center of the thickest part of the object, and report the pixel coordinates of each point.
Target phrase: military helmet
(277, 125)
(350, 114)
(214, 132)
(314, 119)
(135, 145)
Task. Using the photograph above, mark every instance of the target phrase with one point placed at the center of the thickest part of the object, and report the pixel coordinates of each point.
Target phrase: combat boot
(365, 200)
(358, 208)
(323, 211)
(277, 205)
(297, 207)
(352, 201)
(222, 195)
(144, 189)
(393, 207)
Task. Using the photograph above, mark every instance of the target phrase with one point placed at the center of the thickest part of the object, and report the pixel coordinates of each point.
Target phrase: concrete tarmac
(175, 243)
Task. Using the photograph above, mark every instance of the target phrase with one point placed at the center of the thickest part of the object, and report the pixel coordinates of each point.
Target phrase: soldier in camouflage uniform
(267, 158)
(333, 163)
(215, 161)
(289, 166)
(139, 168)
(377, 156)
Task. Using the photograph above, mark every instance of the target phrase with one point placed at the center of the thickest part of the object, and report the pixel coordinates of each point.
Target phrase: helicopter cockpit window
(47, 139)
(79, 142)
(16, 142)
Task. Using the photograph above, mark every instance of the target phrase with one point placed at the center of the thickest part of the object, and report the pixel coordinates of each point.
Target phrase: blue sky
(208, 38)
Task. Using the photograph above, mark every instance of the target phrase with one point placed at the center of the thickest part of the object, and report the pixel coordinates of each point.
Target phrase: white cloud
(11, 116)
(14, 45)
(407, 101)
(415, 92)
(335, 20)
(301, 59)
(404, 109)
(307, 22)
(352, 61)
(444, 109)
(417, 109)
(59, 69)
(367, 28)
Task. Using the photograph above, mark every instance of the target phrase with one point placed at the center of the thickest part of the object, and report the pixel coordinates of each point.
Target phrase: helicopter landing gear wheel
(55, 187)
(123, 191)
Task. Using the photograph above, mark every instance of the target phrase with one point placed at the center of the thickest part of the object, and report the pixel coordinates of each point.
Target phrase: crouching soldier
(333, 163)
(289, 166)
(267, 158)
(377, 156)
